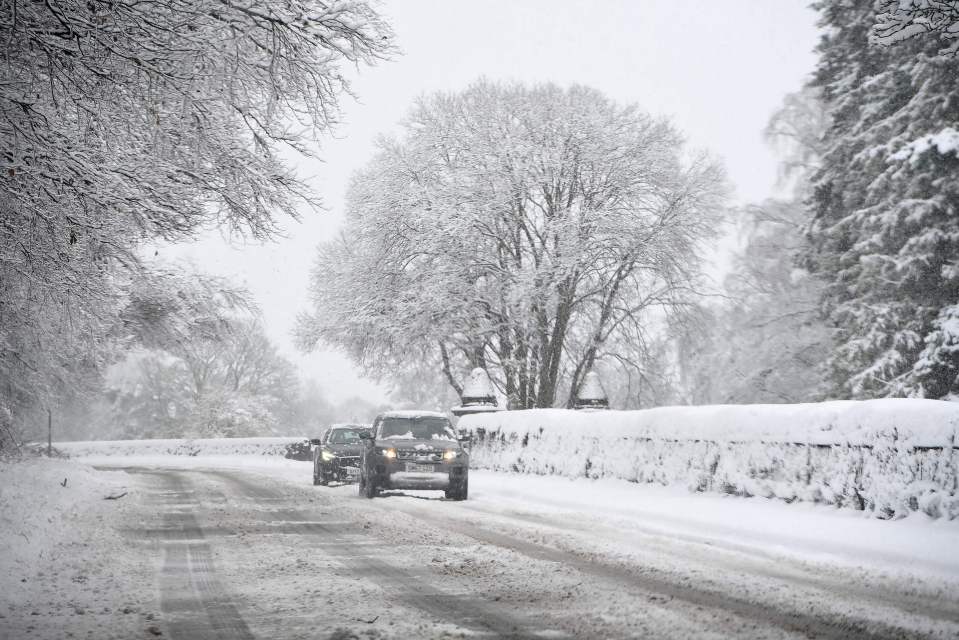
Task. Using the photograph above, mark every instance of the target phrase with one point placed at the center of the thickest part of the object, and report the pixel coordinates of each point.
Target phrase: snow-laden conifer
(886, 208)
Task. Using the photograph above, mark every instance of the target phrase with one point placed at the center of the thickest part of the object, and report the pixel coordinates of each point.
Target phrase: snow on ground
(543, 544)
(916, 544)
(834, 562)
(814, 532)
(65, 570)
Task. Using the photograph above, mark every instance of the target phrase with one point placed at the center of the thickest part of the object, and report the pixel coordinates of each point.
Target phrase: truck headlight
(388, 453)
(328, 456)
(451, 454)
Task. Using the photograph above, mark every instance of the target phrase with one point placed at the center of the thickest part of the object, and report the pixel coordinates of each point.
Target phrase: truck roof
(412, 413)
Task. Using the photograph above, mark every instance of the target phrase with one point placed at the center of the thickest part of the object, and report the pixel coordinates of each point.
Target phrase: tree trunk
(447, 371)
(504, 351)
(553, 352)
(477, 356)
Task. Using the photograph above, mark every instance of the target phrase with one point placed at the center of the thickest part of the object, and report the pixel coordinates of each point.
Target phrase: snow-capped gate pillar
(591, 393)
(478, 395)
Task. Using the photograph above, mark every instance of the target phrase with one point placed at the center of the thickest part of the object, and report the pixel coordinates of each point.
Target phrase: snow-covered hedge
(889, 457)
(181, 447)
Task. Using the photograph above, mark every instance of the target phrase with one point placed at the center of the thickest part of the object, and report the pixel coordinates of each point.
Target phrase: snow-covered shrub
(888, 457)
(180, 447)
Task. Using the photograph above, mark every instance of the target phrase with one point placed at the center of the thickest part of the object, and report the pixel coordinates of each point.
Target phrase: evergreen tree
(885, 230)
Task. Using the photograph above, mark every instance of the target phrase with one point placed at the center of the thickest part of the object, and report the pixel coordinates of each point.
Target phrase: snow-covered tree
(526, 230)
(765, 340)
(885, 232)
(122, 121)
(899, 20)
(226, 381)
(641, 374)
(422, 385)
(146, 395)
(765, 343)
(309, 413)
(123, 118)
(166, 308)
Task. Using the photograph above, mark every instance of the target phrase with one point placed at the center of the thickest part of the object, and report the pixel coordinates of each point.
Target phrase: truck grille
(420, 456)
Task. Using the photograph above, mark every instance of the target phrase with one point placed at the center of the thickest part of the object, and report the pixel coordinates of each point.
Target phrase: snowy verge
(180, 447)
(39, 497)
(64, 563)
(815, 533)
(889, 457)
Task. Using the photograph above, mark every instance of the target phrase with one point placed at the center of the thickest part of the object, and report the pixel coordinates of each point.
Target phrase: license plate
(352, 472)
(412, 467)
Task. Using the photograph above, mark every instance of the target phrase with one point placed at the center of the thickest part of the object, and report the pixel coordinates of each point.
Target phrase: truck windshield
(416, 428)
(345, 436)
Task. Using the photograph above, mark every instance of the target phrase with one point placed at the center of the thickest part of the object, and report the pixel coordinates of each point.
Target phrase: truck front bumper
(396, 475)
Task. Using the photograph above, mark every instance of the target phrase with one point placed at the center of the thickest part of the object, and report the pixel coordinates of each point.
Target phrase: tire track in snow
(758, 562)
(353, 550)
(194, 602)
(649, 581)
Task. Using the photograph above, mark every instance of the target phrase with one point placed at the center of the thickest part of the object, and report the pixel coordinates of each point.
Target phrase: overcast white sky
(718, 69)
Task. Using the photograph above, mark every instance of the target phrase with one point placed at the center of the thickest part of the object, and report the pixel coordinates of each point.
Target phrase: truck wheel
(369, 488)
(319, 478)
(459, 492)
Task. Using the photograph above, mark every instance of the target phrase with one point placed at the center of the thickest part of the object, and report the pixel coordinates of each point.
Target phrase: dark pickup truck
(414, 450)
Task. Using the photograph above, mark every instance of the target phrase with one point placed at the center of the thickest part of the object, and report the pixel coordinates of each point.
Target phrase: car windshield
(416, 428)
(345, 436)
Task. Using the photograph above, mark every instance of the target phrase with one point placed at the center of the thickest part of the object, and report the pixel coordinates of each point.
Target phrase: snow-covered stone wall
(889, 457)
(180, 447)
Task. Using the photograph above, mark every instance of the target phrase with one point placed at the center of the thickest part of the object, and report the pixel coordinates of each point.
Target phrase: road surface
(242, 555)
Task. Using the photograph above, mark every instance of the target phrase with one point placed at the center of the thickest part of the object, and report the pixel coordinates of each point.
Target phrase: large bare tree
(523, 229)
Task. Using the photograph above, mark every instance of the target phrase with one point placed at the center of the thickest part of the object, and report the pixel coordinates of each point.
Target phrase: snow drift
(889, 457)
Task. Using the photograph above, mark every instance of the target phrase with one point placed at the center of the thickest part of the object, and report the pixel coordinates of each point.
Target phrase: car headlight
(328, 456)
(387, 453)
(451, 454)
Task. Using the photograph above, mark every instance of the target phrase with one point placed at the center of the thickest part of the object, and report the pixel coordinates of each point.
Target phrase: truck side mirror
(315, 442)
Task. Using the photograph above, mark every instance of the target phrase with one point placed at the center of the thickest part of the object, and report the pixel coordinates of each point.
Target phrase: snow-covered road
(255, 551)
